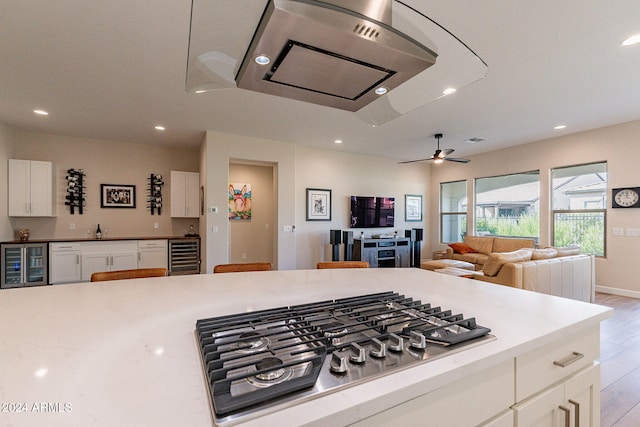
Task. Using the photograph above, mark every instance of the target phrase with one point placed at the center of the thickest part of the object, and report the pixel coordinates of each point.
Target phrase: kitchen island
(124, 352)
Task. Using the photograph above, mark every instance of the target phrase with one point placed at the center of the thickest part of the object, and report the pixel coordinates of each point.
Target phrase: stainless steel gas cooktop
(254, 362)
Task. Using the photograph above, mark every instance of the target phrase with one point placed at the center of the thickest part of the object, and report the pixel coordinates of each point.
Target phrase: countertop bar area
(124, 353)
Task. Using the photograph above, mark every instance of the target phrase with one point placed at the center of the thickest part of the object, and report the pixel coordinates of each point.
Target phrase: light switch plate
(617, 231)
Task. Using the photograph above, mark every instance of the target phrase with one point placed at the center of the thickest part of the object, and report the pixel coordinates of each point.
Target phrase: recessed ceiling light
(160, 127)
(560, 127)
(449, 91)
(338, 141)
(631, 40)
(381, 90)
(262, 60)
(474, 140)
(41, 112)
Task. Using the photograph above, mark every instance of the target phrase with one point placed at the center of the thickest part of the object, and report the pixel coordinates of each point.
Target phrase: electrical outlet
(213, 209)
(155, 226)
(72, 226)
(244, 256)
(287, 228)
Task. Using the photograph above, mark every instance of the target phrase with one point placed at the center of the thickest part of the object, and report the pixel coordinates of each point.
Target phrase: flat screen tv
(372, 212)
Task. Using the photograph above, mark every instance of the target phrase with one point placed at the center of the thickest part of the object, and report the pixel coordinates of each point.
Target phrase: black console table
(391, 252)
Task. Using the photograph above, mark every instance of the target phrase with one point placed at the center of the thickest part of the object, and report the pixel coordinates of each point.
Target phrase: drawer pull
(577, 413)
(575, 356)
(567, 416)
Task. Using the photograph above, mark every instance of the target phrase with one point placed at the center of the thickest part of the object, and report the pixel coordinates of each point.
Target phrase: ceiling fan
(440, 155)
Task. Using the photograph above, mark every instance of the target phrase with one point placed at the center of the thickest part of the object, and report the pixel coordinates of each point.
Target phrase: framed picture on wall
(318, 204)
(117, 196)
(412, 207)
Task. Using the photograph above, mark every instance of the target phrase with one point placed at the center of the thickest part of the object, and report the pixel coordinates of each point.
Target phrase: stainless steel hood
(330, 53)
(334, 53)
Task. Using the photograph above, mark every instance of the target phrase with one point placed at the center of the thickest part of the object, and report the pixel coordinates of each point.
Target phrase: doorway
(252, 236)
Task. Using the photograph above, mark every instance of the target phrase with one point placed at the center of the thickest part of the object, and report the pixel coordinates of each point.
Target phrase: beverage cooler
(24, 264)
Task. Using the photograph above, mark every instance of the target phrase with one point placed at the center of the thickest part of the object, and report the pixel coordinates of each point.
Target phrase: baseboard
(618, 291)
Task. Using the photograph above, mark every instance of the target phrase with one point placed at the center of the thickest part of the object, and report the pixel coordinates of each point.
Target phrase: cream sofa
(485, 245)
(565, 273)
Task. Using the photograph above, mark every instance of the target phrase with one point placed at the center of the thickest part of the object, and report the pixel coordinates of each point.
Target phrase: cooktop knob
(417, 340)
(396, 342)
(338, 363)
(358, 354)
(378, 348)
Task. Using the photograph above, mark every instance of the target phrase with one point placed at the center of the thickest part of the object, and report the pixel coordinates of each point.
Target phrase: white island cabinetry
(509, 381)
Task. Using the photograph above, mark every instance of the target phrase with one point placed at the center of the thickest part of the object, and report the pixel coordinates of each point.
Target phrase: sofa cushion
(461, 248)
(473, 257)
(497, 259)
(482, 244)
(509, 244)
(545, 253)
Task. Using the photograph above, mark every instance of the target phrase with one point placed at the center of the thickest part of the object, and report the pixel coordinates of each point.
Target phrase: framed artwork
(239, 202)
(412, 207)
(117, 196)
(318, 204)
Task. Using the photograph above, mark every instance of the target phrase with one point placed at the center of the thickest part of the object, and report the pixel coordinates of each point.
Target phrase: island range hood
(339, 53)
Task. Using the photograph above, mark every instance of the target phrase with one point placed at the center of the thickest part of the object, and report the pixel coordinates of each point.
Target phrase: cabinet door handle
(575, 356)
(577, 413)
(567, 415)
(77, 259)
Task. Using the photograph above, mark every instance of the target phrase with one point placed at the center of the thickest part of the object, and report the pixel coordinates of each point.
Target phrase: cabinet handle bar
(567, 416)
(575, 356)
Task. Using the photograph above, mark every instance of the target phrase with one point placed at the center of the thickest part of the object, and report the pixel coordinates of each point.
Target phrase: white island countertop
(124, 352)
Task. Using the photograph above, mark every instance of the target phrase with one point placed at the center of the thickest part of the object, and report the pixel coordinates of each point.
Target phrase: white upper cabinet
(185, 197)
(31, 188)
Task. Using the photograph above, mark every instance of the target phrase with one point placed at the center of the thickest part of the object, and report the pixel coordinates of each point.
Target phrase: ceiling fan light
(438, 160)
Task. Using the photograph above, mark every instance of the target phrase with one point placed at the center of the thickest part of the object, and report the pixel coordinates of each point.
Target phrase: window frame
(443, 214)
(603, 210)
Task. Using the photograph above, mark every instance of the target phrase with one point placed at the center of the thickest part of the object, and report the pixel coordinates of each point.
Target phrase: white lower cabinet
(108, 256)
(575, 402)
(470, 401)
(152, 254)
(555, 385)
(64, 263)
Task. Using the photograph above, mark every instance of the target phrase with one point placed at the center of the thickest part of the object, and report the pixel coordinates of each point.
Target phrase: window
(580, 207)
(508, 205)
(453, 211)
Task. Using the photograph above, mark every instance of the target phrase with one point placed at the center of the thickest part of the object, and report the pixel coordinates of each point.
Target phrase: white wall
(220, 150)
(617, 145)
(348, 175)
(7, 149)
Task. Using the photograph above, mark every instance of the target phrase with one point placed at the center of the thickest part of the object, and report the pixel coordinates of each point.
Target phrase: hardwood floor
(620, 362)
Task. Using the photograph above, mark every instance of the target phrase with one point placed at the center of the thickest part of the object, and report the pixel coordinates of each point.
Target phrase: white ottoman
(436, 264)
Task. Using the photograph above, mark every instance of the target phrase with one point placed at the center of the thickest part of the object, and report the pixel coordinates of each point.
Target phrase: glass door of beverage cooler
(24, 265)
(35, 265)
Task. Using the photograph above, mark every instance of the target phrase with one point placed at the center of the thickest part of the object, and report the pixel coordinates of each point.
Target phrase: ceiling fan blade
(447, 152)
(414, 161)
(453, 159)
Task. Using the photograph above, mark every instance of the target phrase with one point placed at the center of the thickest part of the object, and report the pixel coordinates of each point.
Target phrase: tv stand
(390, 253)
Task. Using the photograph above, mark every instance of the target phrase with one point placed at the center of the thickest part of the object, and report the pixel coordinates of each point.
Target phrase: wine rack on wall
(75, 191)
(155, 193)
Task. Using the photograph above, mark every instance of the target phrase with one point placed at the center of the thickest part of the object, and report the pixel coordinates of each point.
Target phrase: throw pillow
(568, 250)
(497, 259)
(545, 253)
(462, 248)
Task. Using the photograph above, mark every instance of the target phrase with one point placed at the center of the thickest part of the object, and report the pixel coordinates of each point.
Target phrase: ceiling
(113, 70)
